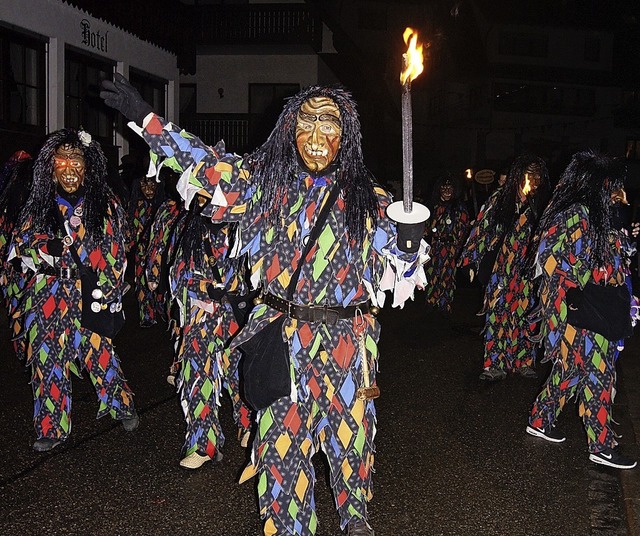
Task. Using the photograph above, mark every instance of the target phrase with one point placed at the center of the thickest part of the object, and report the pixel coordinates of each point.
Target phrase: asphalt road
(452, 454)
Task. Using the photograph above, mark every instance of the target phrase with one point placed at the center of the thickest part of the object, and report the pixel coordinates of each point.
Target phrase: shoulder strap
(313, 236)
(62, 222)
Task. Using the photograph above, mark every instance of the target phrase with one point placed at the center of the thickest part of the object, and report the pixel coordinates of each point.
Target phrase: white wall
(235, 73)
(64, 25)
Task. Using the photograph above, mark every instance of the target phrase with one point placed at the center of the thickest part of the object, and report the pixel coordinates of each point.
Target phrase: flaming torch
(406, 211)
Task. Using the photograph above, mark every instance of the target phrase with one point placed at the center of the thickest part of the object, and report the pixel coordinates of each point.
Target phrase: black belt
(58, 271)
(315, 313)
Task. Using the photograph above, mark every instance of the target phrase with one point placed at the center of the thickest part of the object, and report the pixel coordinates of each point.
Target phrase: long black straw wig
(508, 196)
(275, 164)
(589, 180)
(98, 196)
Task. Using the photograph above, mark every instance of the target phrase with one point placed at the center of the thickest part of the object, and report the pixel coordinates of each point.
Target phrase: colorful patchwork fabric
(12, 283)
(206, 363)
(583, 361)
(151, 306)
(508, 296)
(484, 235)
(326, 360)
(447, 232)
(51, 309)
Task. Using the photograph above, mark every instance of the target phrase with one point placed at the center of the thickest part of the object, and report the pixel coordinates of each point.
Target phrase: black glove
(122, 96)
(409, 236)
(55, 247)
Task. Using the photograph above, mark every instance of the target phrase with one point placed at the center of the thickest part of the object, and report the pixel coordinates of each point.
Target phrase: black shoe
(552, 434)
(45, 444)
(612, 458)
(359, 528)
(131, 423)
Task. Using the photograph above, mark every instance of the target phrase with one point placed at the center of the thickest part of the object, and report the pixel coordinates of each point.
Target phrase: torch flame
(412, 57)
(468, 171)
(527, 185)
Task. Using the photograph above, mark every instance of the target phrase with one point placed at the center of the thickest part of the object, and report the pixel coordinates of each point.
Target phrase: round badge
(67, 240)
(103, 306)
(77, 211)
(434, 230)
(448, 221)
(75, 221)
(118, 307)
(96, 294)
(112, 308)
(95, 307)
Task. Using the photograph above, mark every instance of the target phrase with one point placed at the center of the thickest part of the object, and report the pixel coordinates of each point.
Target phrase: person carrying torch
(323, 283)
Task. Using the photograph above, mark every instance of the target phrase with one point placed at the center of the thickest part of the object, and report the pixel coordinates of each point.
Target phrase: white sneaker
(194, 461)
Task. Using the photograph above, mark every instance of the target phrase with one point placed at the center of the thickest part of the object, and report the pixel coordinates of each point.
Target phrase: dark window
(541, 98)
(22, 82)
(527, 45)
(152, 89)
(265, 104)
(189, 99)
(372, 18)
(592, 49)
(82, 105)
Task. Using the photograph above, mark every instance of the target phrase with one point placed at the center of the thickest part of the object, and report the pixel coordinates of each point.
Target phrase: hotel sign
(93, 39)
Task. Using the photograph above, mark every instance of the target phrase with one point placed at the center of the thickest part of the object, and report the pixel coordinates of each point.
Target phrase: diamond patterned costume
(52, 306)
(583, 361)
(447, 231)
(207, 323)
(508, 295)
(151, 306)
(322, 411)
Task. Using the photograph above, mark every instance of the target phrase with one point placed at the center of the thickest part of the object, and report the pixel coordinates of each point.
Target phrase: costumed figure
(199, 281)
(497, 250)
(16, 176)
(325, 319)
(71, 226)
(147, 195)
(586, 307)
(446, 233)
(166, 225)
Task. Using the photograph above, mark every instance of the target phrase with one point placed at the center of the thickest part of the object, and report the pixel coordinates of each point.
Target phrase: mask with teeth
(68, 168)
(318, 133)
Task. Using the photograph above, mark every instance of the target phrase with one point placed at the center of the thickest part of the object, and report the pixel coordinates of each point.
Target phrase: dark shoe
(526, 372)
(45, 444)
(612, 458)
(131, 423)
(359, 528)
(492, 374)
(552, 434)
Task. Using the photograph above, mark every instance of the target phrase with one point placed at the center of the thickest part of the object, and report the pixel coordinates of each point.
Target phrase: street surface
(452, 458)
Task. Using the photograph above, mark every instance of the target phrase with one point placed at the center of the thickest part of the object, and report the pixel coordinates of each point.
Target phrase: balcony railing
(256, 24)
(234, 129)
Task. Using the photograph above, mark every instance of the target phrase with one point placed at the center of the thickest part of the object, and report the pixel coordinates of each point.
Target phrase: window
(82, 106)
(22, 82)
(527, 45)
(152, 89)
(265, 104)
(592, 49)
(189, 99)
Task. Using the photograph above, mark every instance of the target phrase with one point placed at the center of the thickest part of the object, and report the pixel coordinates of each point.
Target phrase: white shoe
(194, 461)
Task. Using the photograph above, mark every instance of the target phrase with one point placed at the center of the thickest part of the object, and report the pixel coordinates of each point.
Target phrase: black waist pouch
(265, 366)
(602, 309)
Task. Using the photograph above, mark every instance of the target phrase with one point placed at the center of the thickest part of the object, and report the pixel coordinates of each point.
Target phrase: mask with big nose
(68, 168)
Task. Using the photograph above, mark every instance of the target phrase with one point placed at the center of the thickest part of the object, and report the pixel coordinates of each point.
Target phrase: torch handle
(407, 145)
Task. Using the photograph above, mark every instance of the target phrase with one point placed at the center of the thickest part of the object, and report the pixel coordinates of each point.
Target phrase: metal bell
(374, 310)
